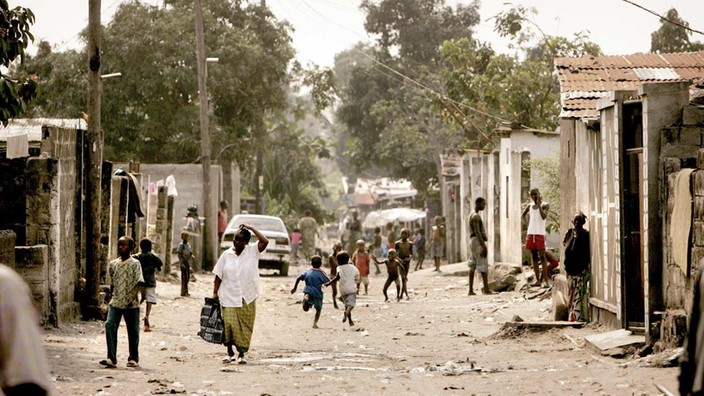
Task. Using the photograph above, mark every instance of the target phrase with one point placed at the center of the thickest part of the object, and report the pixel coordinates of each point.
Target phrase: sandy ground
(425, 346)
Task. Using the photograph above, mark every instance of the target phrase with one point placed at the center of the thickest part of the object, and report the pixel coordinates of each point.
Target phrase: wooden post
(204, 136)
(94, 162)
(258, 184)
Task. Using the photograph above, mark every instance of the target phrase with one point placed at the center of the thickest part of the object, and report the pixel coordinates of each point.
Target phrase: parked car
(278, 253)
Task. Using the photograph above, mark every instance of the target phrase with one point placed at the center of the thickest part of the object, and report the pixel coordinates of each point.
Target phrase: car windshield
(260, 223)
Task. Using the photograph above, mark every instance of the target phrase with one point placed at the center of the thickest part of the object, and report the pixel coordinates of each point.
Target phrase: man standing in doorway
(477, 245)
(309, 230)
(535, 240)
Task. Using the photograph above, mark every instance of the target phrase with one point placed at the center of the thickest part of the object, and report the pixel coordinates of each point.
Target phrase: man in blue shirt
(315, 278)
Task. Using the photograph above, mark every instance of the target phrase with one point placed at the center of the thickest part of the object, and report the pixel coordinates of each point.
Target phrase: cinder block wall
(7, 247)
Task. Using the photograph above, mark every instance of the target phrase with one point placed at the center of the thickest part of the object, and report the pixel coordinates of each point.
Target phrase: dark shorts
(316, 302)
(535, 242)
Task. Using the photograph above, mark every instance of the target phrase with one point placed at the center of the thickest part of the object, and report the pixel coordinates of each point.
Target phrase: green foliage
(15, 93)
(548, 172)
(386, 120)
(523, 86)
(293, 182)
(672, 38)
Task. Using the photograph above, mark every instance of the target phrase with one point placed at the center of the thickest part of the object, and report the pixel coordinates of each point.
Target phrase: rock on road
(437, 343)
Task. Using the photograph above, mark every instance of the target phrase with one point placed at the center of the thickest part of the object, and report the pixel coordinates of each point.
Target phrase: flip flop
(241, 361)
(108, 363)
(132, 364)
(228, 359)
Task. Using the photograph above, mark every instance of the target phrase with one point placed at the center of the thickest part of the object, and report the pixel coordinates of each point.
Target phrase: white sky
(326, 27)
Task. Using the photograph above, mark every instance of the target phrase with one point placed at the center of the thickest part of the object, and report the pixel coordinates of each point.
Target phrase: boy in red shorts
(535, 240)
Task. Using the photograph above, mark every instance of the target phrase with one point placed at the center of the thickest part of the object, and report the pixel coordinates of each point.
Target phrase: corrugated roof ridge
(560, 61)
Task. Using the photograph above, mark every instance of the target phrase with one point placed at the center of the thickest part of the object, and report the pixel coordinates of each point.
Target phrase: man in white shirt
(237, 286)
(535, 239)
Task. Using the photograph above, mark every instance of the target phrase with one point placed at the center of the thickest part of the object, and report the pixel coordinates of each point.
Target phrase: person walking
(309, 230)
(237, 286)
(355, 227)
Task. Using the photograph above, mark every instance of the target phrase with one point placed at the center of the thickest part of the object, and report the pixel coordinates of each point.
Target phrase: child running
(361, 261)
(332, 263)
(315, 278)
(396, 270)
(348, 275)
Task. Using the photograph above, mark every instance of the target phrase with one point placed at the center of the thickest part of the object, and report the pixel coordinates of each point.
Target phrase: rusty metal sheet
(690, 72)
(685, 59)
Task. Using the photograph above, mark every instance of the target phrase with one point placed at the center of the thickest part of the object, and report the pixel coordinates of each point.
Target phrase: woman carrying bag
(237, 287)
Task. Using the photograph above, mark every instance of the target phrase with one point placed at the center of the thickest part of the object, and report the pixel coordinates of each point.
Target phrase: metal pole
(204, 137)
(94, 162)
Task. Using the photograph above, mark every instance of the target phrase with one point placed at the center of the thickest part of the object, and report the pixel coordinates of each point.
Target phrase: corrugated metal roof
(33, 127)
(585, 76)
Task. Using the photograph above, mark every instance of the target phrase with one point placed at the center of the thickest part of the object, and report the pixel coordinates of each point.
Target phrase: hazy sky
(326, 27)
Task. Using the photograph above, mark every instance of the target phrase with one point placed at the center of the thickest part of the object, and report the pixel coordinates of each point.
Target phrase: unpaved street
(438, 343)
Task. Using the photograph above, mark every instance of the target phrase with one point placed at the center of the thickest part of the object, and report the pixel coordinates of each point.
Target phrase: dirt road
(438, 343)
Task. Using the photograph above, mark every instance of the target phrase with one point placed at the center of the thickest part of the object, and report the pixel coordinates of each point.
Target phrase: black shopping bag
(212, 327)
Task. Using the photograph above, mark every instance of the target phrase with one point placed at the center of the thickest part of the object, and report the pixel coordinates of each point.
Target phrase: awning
(379, 218)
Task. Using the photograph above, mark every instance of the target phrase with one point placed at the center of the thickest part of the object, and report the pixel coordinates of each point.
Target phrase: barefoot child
(124, 278)
(477, 245)
(404, 248)
(185, 255)
(420, 248)
(437, 237)
(376, 247)
(332, 263)
(361, 261)
(394, 268)
(315, 278)
(348, 275)
(150, 264)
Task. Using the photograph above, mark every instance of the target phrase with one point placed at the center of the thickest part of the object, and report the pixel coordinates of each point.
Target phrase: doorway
(633, 244)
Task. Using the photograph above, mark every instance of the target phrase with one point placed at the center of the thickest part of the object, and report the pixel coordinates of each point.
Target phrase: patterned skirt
(579, 297)
(239, 325)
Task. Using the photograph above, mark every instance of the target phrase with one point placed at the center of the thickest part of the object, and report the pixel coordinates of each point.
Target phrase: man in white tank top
(535, 240)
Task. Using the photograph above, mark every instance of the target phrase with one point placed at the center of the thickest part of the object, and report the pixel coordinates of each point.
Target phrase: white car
(278, 253)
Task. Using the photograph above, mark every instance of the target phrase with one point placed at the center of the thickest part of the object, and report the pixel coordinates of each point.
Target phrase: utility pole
(94, 162)
(258, 176)
(204, 137)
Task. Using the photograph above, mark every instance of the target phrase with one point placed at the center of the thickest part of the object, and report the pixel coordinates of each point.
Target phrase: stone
(699, 207)
(560, 293)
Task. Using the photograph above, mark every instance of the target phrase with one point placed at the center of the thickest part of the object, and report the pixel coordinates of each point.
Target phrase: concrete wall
(662, 107)
(510, 169)
(539, 146)
(32, 263)
(189, 183)
(7, 247)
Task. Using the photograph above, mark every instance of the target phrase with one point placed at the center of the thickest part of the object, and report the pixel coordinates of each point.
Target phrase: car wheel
(284, 269)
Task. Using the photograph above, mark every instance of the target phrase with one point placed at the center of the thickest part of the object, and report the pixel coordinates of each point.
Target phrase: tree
(15, 93)
(672, 38)
(393, 122)
(521, 87)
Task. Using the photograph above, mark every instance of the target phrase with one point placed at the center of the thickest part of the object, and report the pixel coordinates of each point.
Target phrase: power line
(392, 70)
(63, 44)
(664, 19)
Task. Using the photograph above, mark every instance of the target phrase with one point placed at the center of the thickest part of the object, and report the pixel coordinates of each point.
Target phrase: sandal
(108, 363)
(132, 364)
(228, 359)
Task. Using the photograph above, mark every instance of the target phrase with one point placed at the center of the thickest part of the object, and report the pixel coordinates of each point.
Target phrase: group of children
(352, 273)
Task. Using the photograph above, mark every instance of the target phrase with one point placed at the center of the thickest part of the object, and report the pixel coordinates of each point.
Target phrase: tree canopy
(15, 93)
(672, 38)
(452, 89)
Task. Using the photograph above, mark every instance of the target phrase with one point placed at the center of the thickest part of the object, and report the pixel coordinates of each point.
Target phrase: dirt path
(438, 343)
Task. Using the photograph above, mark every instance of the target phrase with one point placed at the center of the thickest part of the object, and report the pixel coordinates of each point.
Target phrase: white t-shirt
(240, 276)
(349, 277)
(536, 223)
